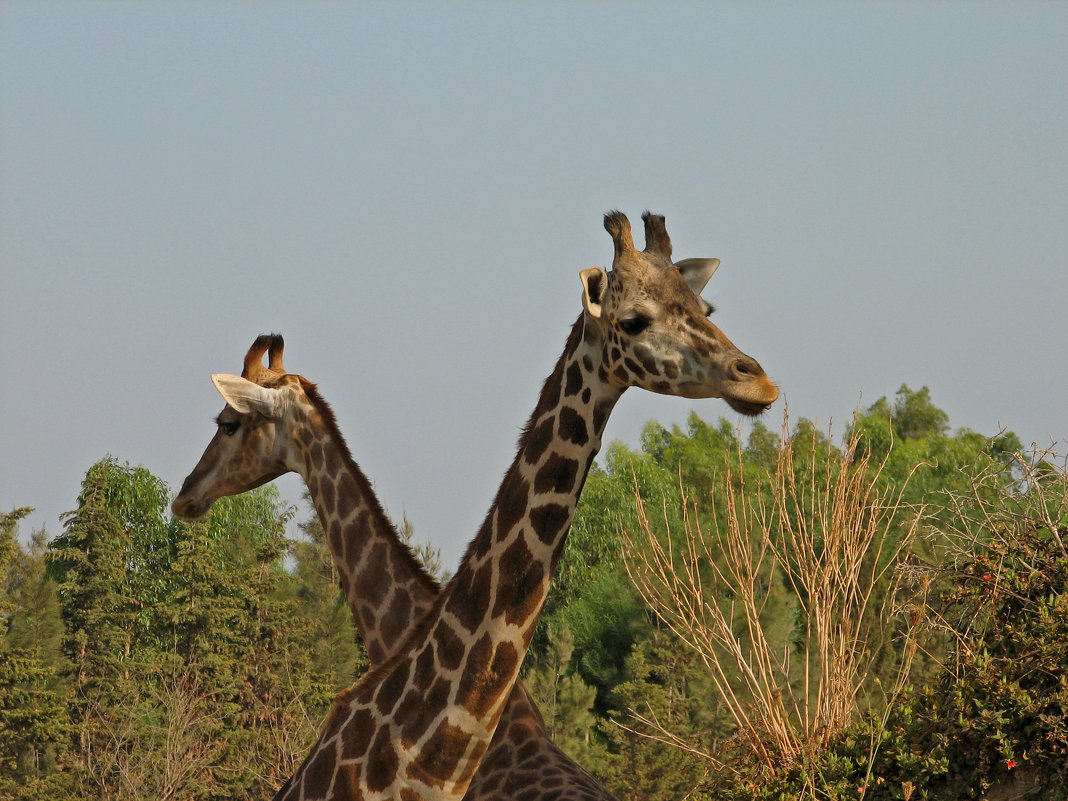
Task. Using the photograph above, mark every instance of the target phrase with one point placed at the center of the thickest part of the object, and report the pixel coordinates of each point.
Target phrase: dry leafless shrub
(834, 538)
(157, 747)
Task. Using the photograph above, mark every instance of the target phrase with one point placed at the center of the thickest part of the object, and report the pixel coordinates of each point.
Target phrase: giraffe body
(418, 725)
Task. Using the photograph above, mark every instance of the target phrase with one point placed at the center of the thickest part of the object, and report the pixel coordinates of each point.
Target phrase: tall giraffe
(418, 726)
(386, 587)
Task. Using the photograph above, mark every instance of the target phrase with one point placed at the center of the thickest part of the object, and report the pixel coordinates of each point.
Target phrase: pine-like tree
(33, 722)
(241, 639)
(33, 727)
(565, 700)
(88, 562)
(35, 624)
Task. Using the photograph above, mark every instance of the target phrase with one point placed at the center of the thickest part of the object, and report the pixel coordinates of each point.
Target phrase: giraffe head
(654, 327)
(252, 445)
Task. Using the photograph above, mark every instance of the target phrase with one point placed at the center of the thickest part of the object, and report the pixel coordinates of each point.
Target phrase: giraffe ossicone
(418, 725)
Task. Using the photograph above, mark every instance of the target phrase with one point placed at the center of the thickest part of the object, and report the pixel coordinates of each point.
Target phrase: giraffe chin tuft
(748, 408)
(187, 509)
(754, 396)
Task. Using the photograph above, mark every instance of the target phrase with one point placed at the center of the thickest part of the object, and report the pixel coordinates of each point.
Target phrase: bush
(994, 724)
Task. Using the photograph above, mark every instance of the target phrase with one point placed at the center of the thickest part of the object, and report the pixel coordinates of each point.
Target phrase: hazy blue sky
(407, 192)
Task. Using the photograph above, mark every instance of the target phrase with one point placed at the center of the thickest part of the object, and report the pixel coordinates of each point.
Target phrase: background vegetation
(781, 617)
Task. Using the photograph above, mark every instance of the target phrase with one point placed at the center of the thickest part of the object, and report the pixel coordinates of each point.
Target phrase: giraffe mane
(549, 391)
(550, 386)
(330, 421)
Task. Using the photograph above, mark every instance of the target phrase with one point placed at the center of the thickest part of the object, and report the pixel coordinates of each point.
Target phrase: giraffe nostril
(745, 369)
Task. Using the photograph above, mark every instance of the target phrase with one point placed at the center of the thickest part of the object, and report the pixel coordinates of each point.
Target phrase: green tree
(33, 727)
(33, 720)
(241, 639)
(911, 436)
(762, 449)
(183, 638)
(708, 464)
(9, 526)
(664, 724)
(994, 722)
(914, 416)
(35, 624)
(89, 563)
(565, 700)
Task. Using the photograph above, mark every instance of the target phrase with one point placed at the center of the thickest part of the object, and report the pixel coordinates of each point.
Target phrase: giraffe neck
(487, 614)
(386, 587)
(510, 561)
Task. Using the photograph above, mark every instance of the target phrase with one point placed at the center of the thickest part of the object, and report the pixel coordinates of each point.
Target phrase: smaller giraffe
(386, 587)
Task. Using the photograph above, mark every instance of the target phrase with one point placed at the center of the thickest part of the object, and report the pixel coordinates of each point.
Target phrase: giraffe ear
(594, 282)
(696, 272)
(246, 397)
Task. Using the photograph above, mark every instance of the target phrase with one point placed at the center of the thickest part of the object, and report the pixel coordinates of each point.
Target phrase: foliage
(144, 657)
(9, 523)
(667, 722)
(565, 700)
(34, 622)
(917, 465)
(237, 638)
(994, 724)
(909, 438)
(33, 721)
(33, 724)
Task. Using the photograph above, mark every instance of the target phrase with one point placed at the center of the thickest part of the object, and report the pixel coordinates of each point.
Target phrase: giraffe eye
(228, 427)
(634, 325)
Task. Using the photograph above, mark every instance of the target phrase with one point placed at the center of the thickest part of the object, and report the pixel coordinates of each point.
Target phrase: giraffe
(418, 725)
(386, 587)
